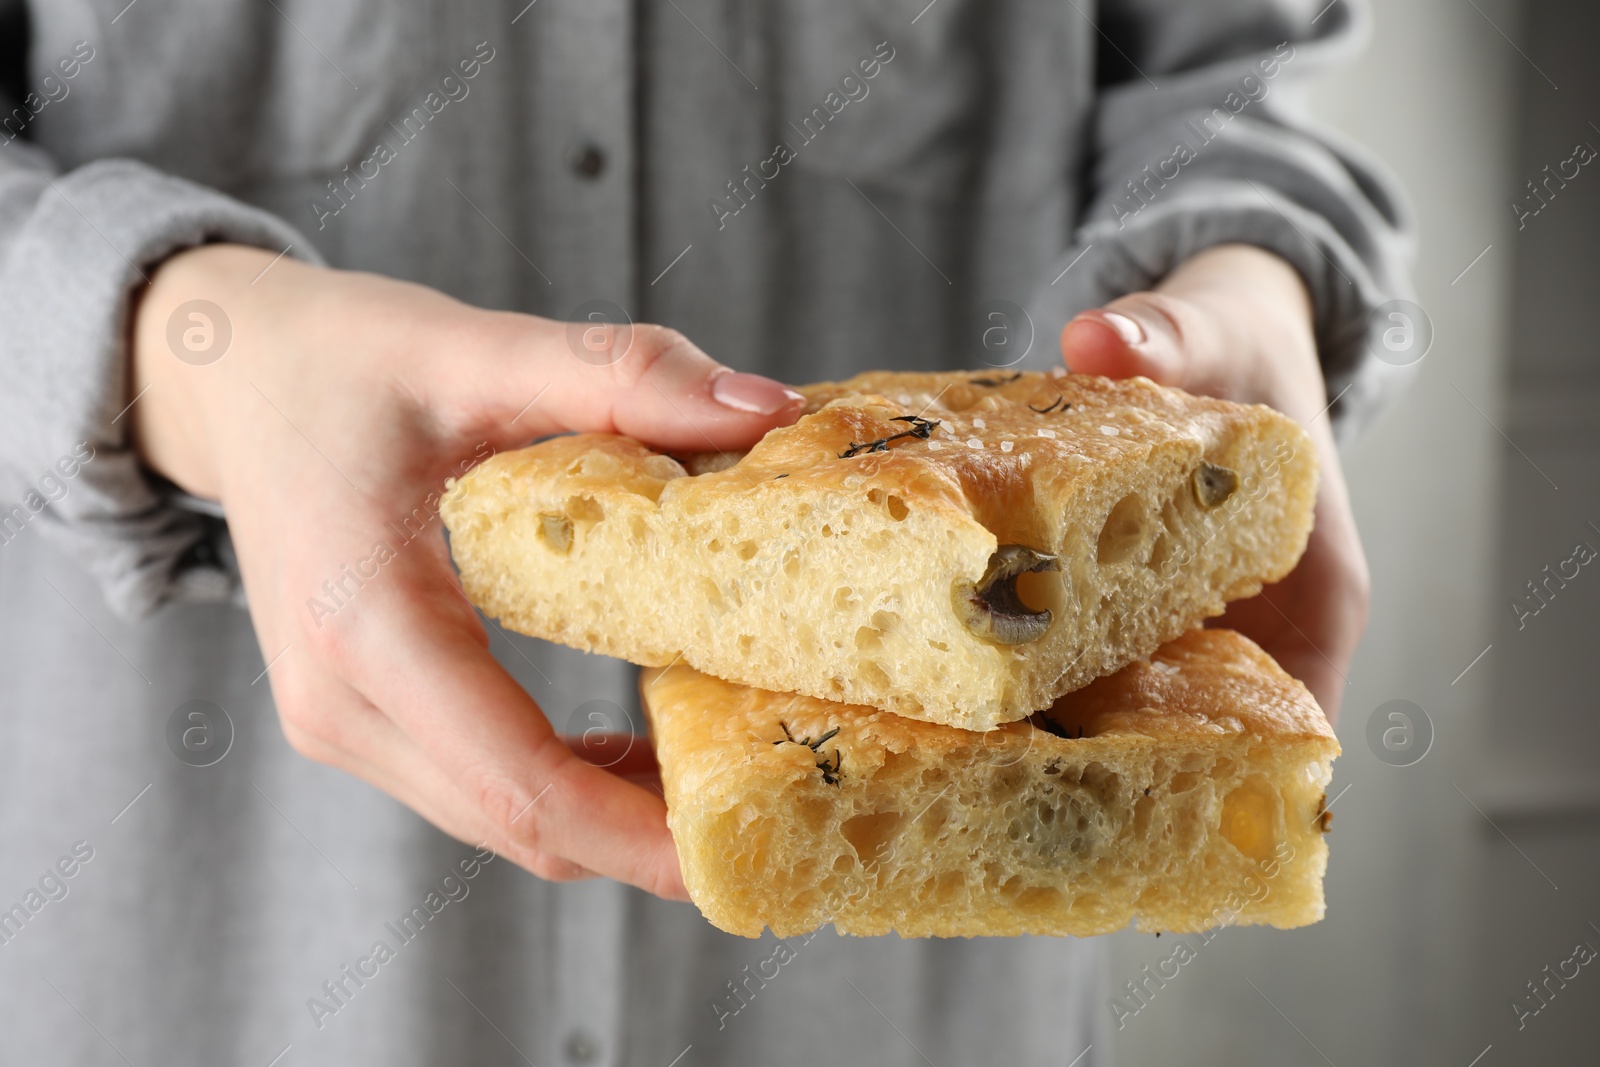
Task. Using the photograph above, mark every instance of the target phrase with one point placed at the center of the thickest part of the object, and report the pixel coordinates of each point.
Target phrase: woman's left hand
(1235, 322)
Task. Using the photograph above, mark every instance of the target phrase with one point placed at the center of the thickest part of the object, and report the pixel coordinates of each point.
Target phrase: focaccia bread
(959, 548)
(1192, 799)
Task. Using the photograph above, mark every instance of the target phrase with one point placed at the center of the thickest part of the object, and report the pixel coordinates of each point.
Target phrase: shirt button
(580, 1048)
(588, 161)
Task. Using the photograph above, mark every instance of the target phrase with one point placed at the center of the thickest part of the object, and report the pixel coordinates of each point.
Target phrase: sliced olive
(556, 532)
(1214, 483)
(991, 609)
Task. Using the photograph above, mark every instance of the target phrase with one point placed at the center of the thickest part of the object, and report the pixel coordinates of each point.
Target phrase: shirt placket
(583, 116)
(583, 112)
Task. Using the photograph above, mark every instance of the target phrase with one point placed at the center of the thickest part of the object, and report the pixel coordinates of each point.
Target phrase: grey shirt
(806, 191)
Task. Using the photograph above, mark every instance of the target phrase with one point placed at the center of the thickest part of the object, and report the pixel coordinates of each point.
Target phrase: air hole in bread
(1160, 553)
(1099, 778)
(1089, 902)
(1125, 536)
(1040, 900)
(1178, 515)
(791, 563)
(1042, 591)
(1142, 809)
(585, 509)
(713, 596)
(871, 835)
(815, 813)
(1250, 817)
(896, 764)
(948, 886)
(746, 549)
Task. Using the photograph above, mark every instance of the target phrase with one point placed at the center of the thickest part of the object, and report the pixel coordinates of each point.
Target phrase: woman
(279, 270)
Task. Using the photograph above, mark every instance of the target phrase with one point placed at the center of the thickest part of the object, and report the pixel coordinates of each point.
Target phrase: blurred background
(1466, 850)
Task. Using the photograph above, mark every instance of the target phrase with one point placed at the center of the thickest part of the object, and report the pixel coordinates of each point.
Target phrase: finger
(324, 720)
(1167, 340)
(1311, 621)
(1314, 661)
(405, 773)
(407, 652)
(626, 755)
(528, 376)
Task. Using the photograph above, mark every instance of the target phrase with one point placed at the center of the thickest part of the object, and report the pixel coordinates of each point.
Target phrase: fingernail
(752, 393)
(1128, 329)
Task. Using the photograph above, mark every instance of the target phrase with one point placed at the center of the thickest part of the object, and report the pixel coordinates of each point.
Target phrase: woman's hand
(1235, 322)
(327, 428)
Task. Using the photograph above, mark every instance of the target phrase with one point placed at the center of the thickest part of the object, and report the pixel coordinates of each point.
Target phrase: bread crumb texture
(1182, 793)
(959, 548)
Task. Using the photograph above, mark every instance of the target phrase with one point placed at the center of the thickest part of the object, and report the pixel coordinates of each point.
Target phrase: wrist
(179, 335)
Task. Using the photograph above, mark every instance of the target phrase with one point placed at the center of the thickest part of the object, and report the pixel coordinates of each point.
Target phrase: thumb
(1169, 341)
(645, 381)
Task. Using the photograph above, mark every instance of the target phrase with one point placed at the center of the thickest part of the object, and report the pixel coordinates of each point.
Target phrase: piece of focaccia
(1192, 799)
(955, 547)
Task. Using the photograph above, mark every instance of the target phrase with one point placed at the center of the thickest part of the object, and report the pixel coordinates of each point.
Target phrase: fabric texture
(806, 192)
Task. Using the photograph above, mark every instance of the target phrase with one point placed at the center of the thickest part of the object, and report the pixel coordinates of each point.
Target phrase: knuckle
(1184, 319)
(651, 345)
(553, 868)
(297, 708)
(661, 883)
(330, 640)
(514, 810)
(306, 718)
(305, 742)
(651, 338)
(309, 725)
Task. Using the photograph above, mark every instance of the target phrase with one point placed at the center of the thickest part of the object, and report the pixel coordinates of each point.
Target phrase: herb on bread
(920, 429)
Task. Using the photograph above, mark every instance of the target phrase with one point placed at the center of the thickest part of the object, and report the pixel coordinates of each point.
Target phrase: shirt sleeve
(75, 249)
(1201, 138)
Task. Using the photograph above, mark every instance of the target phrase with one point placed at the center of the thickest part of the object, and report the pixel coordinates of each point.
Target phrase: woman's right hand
(333, 416)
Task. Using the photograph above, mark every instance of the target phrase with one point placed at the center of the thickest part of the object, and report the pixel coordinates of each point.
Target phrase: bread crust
(831, 559)
(1191, 799)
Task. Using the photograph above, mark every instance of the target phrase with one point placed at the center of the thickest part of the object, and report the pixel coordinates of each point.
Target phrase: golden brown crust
(1197, 772)
(828, 559)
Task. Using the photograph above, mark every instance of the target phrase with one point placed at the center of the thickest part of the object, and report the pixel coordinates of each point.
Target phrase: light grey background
(1439, 913)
